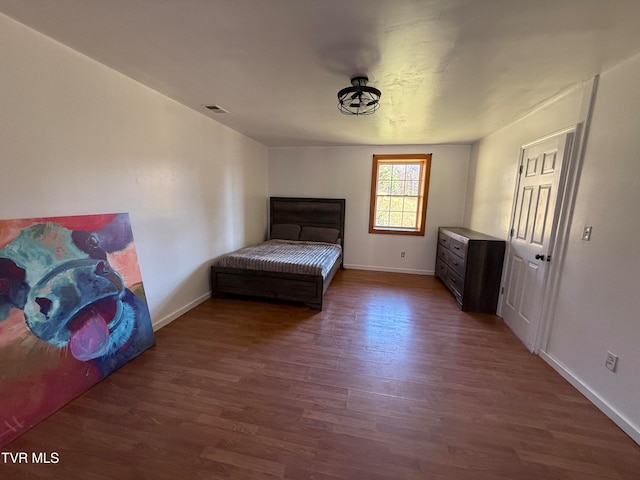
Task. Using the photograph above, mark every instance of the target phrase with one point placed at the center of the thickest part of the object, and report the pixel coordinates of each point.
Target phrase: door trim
(568, 184)
(562, 226)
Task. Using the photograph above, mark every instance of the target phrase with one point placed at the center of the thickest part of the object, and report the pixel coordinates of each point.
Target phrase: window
(399, 190)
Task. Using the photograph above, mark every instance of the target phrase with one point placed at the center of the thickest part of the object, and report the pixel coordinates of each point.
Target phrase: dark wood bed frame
(307, 289)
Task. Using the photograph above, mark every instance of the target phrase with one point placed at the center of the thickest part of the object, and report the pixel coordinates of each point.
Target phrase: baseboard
(163, 322)
(598, 401)
(390, 269)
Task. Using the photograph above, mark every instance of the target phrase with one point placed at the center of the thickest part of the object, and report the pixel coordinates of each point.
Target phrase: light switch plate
(586, 233)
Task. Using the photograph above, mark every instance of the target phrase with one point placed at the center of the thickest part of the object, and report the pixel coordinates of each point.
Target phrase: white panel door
(531, 236)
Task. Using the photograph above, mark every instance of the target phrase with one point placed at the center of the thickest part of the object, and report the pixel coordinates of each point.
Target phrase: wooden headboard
(308, 212)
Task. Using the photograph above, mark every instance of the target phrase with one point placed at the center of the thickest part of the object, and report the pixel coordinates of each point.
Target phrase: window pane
(397, 187)
(384, 187)
(412, 188)
(399, 172)
(413, 172)
(384, 172)
(395, 219)
(410, 204)
(409, 220)
(397, 204)
(383, 202)
(382, 218)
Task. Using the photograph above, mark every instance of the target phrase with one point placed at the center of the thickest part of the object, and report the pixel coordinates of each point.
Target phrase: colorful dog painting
(72, 310)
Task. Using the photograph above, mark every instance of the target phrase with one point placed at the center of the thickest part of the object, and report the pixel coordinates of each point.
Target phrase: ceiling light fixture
(359, 98)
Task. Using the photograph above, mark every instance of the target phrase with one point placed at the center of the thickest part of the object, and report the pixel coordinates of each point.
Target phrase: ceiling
(450, 71)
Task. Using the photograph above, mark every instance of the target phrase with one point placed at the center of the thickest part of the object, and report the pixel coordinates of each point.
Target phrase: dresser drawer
(454, 282)
(456, 264)
(443, 239)
(441, 270)
(458, 247)
(443, 254)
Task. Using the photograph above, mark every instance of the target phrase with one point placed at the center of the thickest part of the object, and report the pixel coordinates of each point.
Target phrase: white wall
(598, 298)
(345, 172)
(495, 159)
(79, 138)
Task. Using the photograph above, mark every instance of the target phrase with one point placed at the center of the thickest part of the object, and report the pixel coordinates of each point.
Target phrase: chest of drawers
(469, 263)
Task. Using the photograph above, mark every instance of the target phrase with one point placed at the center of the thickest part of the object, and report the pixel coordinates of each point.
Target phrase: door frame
(567, 190)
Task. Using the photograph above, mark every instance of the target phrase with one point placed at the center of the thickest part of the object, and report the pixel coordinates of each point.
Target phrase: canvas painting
(72, 310)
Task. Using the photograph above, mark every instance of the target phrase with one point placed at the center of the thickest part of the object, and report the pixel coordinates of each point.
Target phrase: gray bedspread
(284, 256)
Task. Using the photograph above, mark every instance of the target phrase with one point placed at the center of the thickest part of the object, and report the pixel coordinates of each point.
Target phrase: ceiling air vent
(215, 108)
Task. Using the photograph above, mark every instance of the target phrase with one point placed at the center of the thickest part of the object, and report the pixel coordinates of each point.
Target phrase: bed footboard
(307, 289)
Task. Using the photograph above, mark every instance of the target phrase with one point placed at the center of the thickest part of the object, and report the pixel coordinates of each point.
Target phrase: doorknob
(539, 257)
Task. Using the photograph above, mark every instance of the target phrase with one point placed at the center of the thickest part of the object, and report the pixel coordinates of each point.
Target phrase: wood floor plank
(390, 381)
(247, 462)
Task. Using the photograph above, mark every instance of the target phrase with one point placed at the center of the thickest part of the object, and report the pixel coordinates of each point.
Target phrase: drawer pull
(456, 247)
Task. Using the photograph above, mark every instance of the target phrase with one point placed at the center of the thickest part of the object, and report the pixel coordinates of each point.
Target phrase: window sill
(396, 231)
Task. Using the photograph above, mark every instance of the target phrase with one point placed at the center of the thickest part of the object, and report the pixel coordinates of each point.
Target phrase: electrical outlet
(586, 233)
(611, 362)
(401, 254)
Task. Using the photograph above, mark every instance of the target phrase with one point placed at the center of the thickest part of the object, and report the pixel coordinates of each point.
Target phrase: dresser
(469, 263)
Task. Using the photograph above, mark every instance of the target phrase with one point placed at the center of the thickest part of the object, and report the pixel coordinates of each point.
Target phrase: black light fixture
(359, 98)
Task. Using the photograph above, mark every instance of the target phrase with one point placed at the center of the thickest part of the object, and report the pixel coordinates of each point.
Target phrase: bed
(305, 223)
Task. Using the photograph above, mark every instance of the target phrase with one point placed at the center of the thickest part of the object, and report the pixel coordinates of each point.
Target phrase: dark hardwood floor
(390, 381)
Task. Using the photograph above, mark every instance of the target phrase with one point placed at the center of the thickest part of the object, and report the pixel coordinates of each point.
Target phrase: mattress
(284, 256)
